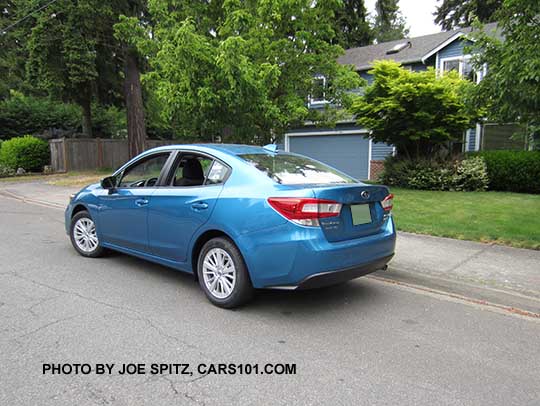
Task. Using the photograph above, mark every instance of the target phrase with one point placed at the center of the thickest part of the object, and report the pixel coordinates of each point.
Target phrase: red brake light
(303, 211)
(388, 203)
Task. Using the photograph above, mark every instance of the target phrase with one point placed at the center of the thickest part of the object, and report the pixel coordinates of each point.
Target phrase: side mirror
(108, 183)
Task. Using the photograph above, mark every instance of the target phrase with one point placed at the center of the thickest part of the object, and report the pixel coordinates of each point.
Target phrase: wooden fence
(79, 154)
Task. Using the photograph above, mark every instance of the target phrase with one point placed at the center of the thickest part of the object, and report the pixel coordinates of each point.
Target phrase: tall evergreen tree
(461, 13)
(70, 52)
(352, 25)
(389, 23)
(12, 47)
(133, 91)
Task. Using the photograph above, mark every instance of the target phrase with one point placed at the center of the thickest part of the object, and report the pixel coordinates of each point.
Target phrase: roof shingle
(362, 58)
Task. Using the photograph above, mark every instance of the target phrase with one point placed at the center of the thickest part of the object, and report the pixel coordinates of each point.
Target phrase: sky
(418, 13)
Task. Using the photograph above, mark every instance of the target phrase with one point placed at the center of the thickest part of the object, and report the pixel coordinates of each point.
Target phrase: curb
(28, 200)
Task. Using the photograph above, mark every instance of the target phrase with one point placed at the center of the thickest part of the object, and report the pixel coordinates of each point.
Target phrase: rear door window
(198, 170)
(288, 169)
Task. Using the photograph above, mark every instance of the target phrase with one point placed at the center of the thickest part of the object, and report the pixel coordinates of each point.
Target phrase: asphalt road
(365, 342)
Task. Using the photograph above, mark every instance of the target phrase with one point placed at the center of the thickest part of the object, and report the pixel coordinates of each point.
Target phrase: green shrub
(26, 152)
(21, 115)
(513, 171)
(467, 175)
(5, 171)
(109, 121)
(471, 175)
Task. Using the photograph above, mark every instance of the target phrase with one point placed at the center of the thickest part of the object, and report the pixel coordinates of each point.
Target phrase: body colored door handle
(141, 202)
(199, 206)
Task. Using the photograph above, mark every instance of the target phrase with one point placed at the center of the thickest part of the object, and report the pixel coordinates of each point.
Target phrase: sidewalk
(485, 271)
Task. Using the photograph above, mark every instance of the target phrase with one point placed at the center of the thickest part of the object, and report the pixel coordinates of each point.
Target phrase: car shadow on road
(353, 294)
(356, 294)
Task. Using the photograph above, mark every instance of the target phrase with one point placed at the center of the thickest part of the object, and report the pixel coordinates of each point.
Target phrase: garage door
(348, 153)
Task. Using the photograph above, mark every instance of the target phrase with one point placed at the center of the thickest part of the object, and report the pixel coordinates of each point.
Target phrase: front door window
(145, 173)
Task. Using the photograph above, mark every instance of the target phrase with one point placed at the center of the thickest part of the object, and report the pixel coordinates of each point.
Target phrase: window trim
(319, 102)
(167, 180)
(120, 173)
(461, 59)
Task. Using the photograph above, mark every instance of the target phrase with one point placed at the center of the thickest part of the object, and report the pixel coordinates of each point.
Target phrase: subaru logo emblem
(365, 194)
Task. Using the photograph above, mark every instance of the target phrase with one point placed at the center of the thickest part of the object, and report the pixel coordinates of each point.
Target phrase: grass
(496, 217)
(70, 179)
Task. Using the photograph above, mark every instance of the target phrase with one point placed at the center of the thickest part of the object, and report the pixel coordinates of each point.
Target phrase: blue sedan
(238, 218)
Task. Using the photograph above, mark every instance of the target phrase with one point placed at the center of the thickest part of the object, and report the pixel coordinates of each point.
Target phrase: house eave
(441, 46)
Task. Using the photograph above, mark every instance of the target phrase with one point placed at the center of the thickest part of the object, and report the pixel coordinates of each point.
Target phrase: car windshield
(289, 169)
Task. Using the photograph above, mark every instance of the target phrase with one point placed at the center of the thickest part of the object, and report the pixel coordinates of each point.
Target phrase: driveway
(369, 342)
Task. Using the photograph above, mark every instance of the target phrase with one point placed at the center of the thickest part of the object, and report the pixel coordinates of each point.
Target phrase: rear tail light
(306, 212)
(388, 203)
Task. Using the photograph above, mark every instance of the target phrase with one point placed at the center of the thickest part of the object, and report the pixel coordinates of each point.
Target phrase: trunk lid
(361, 214)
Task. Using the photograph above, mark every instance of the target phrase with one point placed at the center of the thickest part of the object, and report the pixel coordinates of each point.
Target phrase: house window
(318, 90)
(462, 65)
(451, 65)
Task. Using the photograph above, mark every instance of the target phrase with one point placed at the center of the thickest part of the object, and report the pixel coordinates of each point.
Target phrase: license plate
(361, 214)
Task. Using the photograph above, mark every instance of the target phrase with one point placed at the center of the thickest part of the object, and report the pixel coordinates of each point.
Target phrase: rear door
(177, 211)
(361, 214)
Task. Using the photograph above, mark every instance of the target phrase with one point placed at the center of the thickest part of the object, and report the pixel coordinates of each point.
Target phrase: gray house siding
(453, 50)
(380, 151)
(365, 75)
(418, 67)
(471, 137)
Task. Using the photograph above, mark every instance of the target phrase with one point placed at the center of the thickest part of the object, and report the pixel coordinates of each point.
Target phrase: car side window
(198, 170)
(145, 173)
(217, 174)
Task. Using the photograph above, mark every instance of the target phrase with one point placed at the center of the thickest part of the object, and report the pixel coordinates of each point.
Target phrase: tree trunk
(86, 106)
(134, 105)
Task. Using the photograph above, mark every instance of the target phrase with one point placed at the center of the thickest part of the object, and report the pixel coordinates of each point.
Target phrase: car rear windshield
(289, 169)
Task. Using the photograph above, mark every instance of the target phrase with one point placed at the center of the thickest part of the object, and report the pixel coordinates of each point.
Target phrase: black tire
(242, 290)
(96, 252)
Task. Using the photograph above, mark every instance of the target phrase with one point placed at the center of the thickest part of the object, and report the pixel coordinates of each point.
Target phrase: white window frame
(319, 102)
(461, 59)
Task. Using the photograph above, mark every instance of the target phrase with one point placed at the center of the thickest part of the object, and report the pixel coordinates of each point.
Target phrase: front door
(179, 209)
(123, 211)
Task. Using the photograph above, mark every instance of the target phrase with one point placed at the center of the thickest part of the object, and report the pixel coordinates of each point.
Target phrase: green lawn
(504, 218)
(70, 179)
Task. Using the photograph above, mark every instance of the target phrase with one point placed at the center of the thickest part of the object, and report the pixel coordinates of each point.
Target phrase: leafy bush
(21, 115)
(513, 171)
(26, 152)
(471, 174)
(109, 121)
(467, 175)
(5, 171)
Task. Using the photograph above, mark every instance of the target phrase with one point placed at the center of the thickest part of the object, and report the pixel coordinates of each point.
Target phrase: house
(347, 146)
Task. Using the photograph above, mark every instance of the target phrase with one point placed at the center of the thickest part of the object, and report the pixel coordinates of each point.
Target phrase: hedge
(512, 171)
(20, 115)
(29, 153)
(466, 175)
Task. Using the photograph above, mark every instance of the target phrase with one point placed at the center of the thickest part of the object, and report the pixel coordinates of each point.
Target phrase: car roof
(230, 149)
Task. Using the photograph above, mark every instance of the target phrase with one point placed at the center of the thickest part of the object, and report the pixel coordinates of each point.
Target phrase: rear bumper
(323, 279)
(290, 256)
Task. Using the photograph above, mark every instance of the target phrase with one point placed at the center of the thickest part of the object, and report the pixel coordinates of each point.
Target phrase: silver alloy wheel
(84, 234)
(219, 273)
